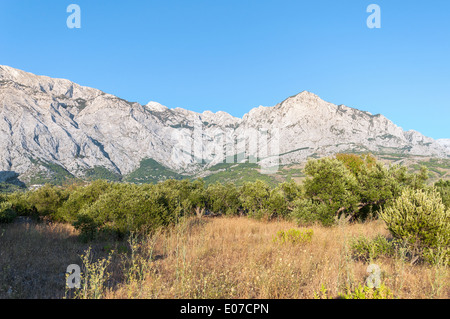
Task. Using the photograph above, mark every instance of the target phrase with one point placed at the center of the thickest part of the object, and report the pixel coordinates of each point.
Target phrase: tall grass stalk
(93, 276)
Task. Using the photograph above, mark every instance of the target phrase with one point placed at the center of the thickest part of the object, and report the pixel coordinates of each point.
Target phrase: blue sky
(234, 55)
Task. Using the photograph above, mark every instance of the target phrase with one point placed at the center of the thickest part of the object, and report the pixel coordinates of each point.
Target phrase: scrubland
(223, 257)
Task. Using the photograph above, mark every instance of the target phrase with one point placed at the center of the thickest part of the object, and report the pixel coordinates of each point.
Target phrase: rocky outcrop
(46, 121)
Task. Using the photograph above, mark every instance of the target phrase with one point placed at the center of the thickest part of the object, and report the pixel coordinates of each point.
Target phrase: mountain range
(56, 129)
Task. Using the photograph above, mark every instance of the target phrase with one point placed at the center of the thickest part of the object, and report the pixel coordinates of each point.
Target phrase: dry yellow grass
(209, 258)
(34, 258)
(237, 258)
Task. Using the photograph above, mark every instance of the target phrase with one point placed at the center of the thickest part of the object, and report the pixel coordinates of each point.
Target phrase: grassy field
(204, 258)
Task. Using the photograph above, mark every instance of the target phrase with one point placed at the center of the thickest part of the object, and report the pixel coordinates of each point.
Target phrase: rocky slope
(445, 142)
(54, 125)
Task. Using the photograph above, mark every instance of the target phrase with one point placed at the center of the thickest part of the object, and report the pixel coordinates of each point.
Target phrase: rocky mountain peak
(48, 124)
(156, 107)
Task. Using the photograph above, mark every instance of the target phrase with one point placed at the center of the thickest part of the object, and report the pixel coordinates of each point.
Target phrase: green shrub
(360, 292)
(254, 197)
(87, 226)
(47, 199)
(437, 256)
(293, 236)
(261, 201)
(419, 219)
(366, 249)
(223, 199)
(94, 277)
(364, 292)
(79, 198)
(21, 204)
(7, 214)
(443, 187)
(351, 186)
(125, 208)
(308, 211)
(331, 187)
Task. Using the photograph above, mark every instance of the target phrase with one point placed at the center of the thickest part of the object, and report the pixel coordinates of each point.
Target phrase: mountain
(445, 142)
(56, 129)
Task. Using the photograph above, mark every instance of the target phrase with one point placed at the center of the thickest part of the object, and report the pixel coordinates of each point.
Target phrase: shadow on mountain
(9, 181)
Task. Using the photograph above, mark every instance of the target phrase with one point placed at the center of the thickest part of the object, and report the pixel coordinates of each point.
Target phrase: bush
(7, 214)
(21, 205)
(125, 208)
(332, 184)
(254, 197)
(262, 202)
(351, 186)
(366, 249)
(223, 199)
(360, 292)
(307, 212)
(293, 236)
(79, 198)
(364, 292)
(419, 218)
(443, 187)
(87, 226)
(48, 199)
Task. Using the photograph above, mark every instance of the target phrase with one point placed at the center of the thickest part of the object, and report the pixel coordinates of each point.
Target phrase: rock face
(445, 142)
(46, 122)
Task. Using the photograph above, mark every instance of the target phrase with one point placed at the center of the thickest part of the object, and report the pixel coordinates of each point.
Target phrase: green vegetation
(7, 214)
(360, 292)
(438, 168)
(293, 236)
(151, 172)
(10, 183)
(443, 187)
(348, 186)
(259, 201)
(419, 218)
(364, 292)
(224, 199)
(367, 250)
(100, 172)
(109, 208)
(351, 186)
(238, 174)
(54, 174)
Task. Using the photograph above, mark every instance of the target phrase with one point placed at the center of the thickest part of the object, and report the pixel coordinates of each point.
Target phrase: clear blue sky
(233, 55)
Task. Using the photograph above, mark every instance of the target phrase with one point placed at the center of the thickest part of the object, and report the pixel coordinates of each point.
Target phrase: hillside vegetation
(162, 220)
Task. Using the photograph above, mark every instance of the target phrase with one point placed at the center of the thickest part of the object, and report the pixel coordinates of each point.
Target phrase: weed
(293, 236)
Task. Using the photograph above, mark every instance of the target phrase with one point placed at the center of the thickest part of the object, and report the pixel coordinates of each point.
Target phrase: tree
(223, 198)
(356, 163)
(333, 185)
(352, 186)
(254, 198)
(419, 218)
(197, 198)
(443, 187)
(80, 197)
(48, 199)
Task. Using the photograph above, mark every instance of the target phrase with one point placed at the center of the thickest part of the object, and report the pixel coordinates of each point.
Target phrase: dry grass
(237, 258)
(34, 258)
(210, 258)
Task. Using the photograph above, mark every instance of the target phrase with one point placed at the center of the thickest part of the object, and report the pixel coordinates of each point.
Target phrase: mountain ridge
(46, 121)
